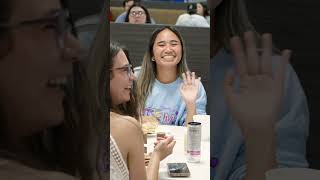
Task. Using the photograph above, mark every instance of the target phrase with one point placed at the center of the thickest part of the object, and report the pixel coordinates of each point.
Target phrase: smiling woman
(122, 80)
(125, 72)
(164, 72)
(39, 117)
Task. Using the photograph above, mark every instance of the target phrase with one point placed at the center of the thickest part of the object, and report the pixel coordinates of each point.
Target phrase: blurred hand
(257, 103)
(190, 87)
(164, 147)
(159, 139)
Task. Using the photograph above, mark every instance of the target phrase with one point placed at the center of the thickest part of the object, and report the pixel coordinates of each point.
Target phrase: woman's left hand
(257, 104)
(190, 87)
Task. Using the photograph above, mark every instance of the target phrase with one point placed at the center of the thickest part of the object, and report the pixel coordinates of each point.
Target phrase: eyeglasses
(127, 68)
(60, 18)
(139, 13)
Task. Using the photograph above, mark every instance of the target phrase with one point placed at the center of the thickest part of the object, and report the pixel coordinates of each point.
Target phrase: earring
(152, 59)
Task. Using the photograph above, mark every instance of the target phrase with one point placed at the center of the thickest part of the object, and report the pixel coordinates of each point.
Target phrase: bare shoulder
(126, 131)
(15, 171)
(124, 122)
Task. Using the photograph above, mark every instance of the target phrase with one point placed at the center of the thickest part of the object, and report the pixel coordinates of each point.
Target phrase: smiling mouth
(168, 56)
(129, 88)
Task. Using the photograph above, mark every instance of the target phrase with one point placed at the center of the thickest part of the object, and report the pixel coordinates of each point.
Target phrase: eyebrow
(171, 41)
(174, 41)
(124, 66)
(44, 17)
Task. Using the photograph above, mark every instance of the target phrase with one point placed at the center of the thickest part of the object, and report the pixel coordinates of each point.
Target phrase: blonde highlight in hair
(148, 72)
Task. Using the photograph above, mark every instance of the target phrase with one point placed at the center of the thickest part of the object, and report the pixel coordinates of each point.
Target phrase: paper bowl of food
(149, 125)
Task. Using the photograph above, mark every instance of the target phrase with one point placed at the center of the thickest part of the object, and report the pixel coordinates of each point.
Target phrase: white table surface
(293, 174)
(198, 171)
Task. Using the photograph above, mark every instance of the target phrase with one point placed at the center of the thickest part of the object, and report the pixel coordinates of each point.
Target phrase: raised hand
(190, 87)
(257, 103)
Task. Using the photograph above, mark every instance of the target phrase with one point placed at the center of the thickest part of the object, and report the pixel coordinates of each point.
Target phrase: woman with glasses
(44, 135)
(138, 14)
(166, 88)
(126, 136)
(260, 110)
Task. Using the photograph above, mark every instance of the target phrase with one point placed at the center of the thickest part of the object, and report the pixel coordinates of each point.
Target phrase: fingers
(281, 70)
(239, 56)
(189, 81)
(164, 141)
(193, 77)
(162, 138)
(266, 61)
(171, 145)
(248, 61)
(229, 84)
(168, 140)
(252, 55)
(189, 78)
(184, 78)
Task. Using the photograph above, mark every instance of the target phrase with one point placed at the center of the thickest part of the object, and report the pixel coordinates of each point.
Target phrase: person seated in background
(202, 10)
(191, 18)
(126, 5)
(138, 14)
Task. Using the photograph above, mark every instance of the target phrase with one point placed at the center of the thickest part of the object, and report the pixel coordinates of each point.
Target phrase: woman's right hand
(164, 147)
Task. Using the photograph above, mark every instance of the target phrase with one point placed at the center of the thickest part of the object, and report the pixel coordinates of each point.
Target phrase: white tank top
(118, 167)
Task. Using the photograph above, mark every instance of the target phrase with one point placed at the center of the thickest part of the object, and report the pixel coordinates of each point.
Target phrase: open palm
(190, 87)
(257, 102)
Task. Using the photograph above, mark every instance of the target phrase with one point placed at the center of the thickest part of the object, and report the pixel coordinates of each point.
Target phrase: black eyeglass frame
(61, 17)
(128, 68)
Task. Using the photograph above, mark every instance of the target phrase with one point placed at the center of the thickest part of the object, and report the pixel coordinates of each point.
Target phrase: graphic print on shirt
(164, 115)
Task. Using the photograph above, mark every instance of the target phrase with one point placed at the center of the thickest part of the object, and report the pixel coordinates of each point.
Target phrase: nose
(72, 50)
(132, 77)
(168, 48)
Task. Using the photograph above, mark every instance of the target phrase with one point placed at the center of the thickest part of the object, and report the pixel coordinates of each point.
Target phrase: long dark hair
(205, 9)
(148, 72)
(129, 108)
(148, 17)
(68, 147)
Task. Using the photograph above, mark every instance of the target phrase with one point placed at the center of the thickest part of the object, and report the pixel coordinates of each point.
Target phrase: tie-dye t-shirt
(167, 105)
